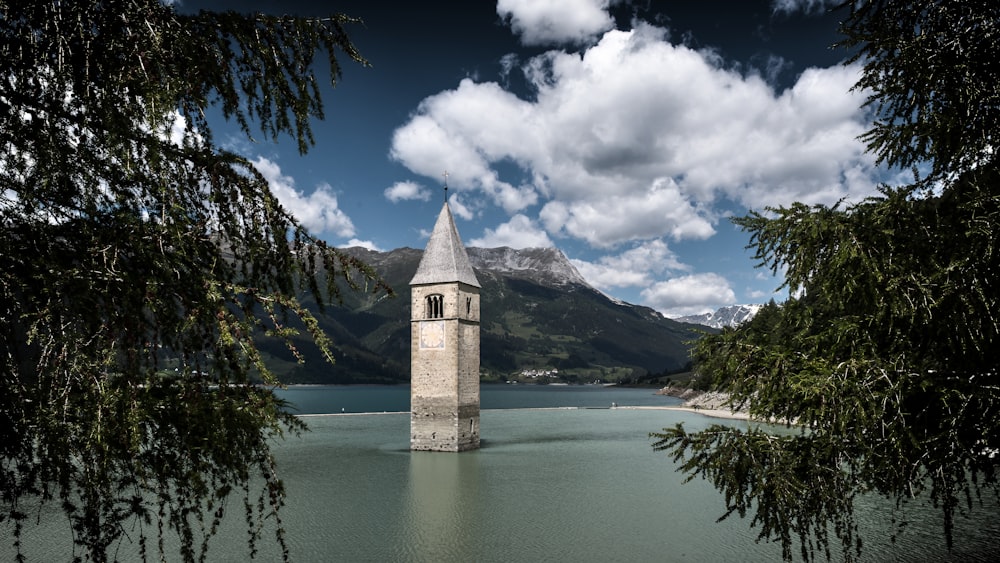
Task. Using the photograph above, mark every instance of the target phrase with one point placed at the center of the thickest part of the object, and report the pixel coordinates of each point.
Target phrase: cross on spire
(446, 186)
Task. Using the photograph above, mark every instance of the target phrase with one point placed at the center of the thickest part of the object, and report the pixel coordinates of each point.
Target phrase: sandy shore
(715, 404)
(714, 413)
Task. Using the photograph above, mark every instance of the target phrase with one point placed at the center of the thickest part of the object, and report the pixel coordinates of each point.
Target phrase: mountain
(730, 316)
(545, 266)
(539, 316)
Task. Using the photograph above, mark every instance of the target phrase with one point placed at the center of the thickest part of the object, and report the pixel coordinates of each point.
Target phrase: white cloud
(556, 22)
(512, 199)
(317, 211)
(606, 222)
(424, 146)
(633, 268)
(519, 232)
(638, 139)
(363, 244)
(689, 295)
(804, 6)
(459, 208)
(431, 146)
(406, 191)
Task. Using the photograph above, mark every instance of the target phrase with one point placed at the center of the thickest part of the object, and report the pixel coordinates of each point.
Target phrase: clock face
(432, 335)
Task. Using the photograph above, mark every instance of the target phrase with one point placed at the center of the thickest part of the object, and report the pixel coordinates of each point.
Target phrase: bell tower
(444, 345)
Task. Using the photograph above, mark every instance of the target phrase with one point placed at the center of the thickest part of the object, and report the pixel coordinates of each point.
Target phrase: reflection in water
(441, 506)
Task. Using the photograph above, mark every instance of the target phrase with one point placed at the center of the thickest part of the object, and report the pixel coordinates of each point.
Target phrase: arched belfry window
(434, 306)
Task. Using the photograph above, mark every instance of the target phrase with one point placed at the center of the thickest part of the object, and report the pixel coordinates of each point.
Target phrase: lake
(559, 477)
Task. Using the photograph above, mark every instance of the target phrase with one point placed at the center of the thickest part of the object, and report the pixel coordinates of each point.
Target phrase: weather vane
(446, 186)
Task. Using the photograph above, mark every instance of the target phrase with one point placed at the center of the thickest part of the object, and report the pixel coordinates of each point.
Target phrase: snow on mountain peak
(544, 264)
(730, 315)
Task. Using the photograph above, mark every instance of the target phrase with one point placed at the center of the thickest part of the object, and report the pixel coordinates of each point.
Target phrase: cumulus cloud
(636, 138)
(363, 244)
(459, 208)
(511, 199)
(405, 191)
(556, 22)
(317, 211)
(689, 295)
(441, 138)
(519, 232)
(609, 221)
(426, 146)
(636, 267)
(804, 6)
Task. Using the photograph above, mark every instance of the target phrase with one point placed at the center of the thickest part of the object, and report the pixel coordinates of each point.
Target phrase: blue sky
(623, 133)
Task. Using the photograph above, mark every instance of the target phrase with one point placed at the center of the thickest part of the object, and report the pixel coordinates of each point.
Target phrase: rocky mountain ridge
(547, 266)
(728, 316)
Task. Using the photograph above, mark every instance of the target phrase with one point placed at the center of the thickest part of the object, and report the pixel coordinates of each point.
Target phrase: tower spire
(445, 259)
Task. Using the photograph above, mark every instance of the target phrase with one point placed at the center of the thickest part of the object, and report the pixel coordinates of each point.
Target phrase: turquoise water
(563, 484)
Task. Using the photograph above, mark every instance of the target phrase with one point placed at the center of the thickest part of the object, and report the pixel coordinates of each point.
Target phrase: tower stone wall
(444, 345)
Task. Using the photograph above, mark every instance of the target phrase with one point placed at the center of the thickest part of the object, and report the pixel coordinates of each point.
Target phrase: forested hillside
(538, 315)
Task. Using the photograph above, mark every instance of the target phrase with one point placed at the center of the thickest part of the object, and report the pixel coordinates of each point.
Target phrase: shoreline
(713, 404)
(712, 413)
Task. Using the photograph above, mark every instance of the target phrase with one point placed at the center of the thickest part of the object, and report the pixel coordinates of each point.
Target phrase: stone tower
(444, 345)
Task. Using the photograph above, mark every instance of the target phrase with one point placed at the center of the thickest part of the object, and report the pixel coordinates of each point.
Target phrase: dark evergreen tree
(888, 358)
(138, 261)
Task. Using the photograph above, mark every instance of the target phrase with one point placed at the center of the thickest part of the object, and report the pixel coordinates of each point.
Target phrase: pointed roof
(445, 259)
